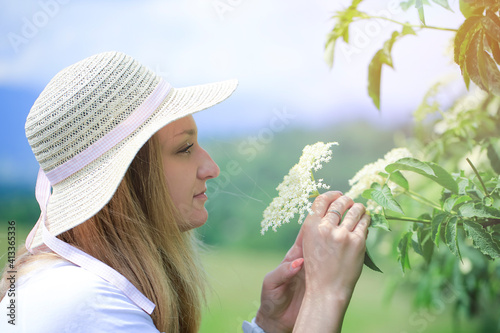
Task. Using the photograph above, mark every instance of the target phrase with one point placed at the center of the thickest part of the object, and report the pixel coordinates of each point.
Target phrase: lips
(200, 193)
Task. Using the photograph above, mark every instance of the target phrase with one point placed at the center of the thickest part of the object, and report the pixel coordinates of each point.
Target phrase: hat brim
(82, 195)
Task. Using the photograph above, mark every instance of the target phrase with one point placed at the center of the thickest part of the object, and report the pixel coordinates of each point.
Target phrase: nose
(208, 168)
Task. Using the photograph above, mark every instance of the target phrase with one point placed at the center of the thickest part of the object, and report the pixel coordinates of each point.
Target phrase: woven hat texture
(82, 104)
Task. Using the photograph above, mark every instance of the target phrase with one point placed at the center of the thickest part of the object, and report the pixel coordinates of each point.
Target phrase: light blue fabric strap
(251, 327)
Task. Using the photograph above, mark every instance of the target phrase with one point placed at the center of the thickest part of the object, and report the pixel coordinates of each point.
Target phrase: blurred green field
(236, 278)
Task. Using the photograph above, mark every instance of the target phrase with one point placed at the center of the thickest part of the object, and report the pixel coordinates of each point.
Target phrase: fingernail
(297, 263)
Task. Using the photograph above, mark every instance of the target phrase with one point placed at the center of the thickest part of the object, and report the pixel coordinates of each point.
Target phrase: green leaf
(384, 197)
(341, 29)
(451, 237)
(374, 75)
(443, 3)
(411, 164)
(455, 200)
(482, 239)
(436, 224)
(462, 42)
(398, 178)
(383, 56)
(367, 194)
(427, 169)
(471, 209)
(403, 248)
(407, 4)
(408, 30)
(463, 184)
(473, 62)
(329, 52)
(495, 48)
(494, 154)
(379, 221)
(425, 243)
(416, 247)
(491, 24)
(443, 178)
(475, 7)
(462, 37)
(420, 6)
(369, 262)
(489, 72)
(450, 203)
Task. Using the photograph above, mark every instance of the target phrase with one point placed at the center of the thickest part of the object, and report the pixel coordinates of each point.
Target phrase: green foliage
(451, 236)
(425, 244)
(474, 7)
(383, 196)
(450, 194)
(369, 262)
(476, 39)
(341, 29)
(476, 45)
(404, 250)
(383, 57)
(379, 221)
(483, 239)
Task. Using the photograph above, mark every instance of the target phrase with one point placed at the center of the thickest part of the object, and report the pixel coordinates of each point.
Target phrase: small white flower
(298, 184)
(370, 174)
(464, 108)
(373, 207)
(465, 265)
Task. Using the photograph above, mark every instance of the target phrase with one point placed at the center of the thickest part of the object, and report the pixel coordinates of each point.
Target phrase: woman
(114, 251)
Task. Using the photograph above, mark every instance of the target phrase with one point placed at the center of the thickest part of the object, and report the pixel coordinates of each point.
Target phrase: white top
(62, 297)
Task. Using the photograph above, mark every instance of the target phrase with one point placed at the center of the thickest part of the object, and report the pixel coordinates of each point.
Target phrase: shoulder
(67, 298)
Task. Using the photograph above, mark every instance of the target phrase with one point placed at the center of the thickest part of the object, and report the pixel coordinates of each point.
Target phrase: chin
(196, 220)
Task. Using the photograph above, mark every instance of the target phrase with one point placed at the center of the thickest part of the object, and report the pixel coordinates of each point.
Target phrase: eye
(187, 148)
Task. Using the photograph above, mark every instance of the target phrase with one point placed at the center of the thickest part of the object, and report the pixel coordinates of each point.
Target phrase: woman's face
(187, 167)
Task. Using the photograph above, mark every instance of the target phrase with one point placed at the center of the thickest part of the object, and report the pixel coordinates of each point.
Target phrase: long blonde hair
(137, 233)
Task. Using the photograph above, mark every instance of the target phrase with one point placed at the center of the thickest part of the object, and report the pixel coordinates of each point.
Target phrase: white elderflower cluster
(295, 190)
(370, 174)
(463, 109)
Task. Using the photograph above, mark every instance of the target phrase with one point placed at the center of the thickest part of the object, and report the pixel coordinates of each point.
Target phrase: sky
(274, 49)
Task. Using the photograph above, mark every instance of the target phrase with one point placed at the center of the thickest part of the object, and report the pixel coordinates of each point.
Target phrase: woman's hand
(282, 292)
(316, 296)
(333, 259)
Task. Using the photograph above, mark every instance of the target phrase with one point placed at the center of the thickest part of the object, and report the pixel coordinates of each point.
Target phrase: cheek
(179, 183)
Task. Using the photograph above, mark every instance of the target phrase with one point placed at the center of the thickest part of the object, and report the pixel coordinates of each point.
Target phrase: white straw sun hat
(91, 120)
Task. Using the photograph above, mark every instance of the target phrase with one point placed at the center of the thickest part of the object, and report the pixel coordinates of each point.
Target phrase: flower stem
(315, 193)
(478, 176)
(421, 199)
(410, 25)
(407, 219)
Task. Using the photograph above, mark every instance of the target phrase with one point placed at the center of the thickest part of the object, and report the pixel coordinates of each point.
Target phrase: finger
(362, 226)
(283, 273)
(295, 251)
(353, 216)
(323, 201)
(340, 205)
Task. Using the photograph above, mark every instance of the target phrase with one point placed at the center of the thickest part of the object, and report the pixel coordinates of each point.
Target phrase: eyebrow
(190, 132)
